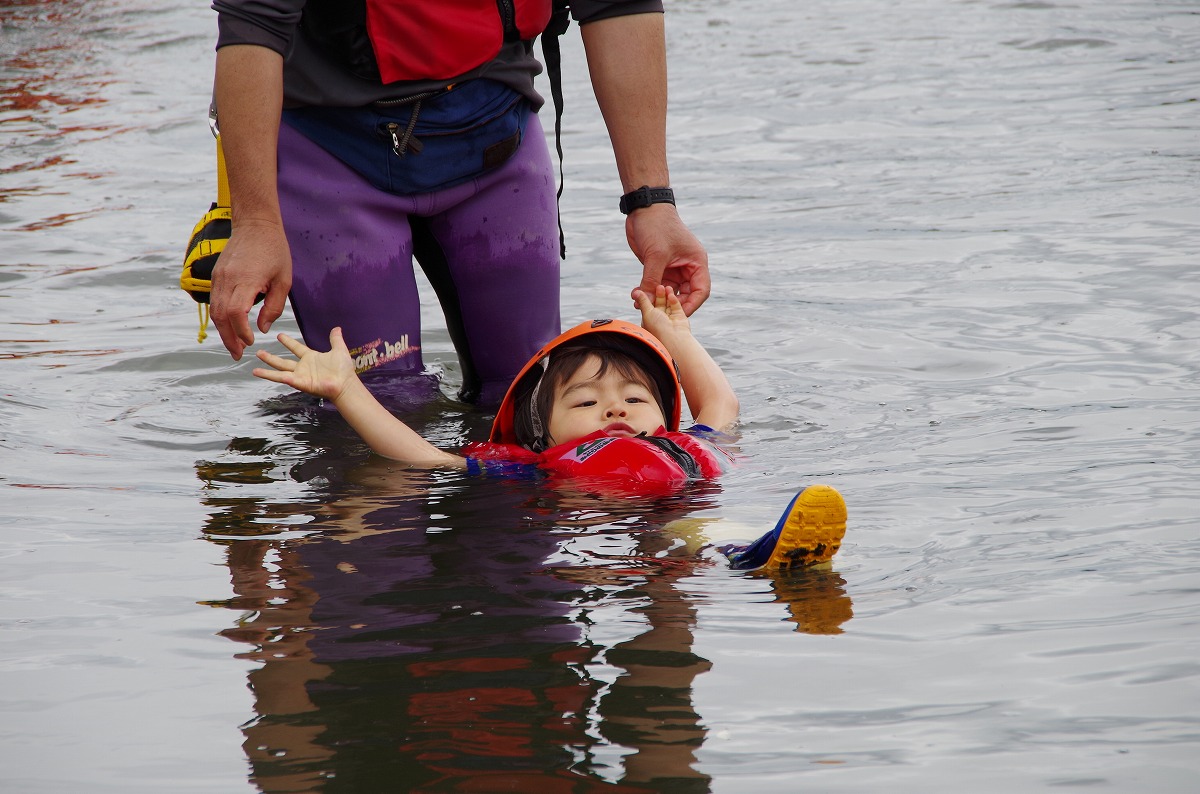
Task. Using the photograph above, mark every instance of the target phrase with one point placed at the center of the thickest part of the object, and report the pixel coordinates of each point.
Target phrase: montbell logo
(589, 448)
(368, 356)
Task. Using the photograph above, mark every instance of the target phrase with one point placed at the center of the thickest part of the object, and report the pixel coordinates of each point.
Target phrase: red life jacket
(652, 465)
(421, 39)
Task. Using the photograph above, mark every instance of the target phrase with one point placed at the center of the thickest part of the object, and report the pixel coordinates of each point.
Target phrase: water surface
(955, 259)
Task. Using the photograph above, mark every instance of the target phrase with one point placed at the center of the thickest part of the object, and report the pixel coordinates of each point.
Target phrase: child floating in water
(600, 404)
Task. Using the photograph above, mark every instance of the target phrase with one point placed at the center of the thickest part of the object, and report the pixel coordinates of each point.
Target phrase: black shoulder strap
(560, 20)
(677, 453)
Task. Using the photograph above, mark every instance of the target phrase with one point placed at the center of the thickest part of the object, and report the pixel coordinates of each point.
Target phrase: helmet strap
(535, 417)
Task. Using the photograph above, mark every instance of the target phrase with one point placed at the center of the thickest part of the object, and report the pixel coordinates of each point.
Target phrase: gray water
(955, 261)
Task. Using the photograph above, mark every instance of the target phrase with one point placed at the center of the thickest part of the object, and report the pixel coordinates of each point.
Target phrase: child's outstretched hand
(663, 314)
(323, 375)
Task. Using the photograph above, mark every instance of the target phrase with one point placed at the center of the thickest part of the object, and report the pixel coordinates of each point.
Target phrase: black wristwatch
(644, 197)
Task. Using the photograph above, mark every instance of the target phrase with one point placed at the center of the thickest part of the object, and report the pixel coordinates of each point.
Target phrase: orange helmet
(632, 340)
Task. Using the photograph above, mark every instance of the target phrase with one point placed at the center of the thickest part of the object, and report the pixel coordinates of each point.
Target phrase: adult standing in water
(411, 131)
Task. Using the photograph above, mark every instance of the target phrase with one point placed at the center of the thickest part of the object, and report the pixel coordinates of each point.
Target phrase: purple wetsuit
(489, 246)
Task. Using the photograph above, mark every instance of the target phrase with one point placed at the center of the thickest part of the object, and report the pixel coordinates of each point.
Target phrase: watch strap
(644, 197)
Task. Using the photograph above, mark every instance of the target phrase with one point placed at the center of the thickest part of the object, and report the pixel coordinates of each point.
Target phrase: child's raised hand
(323, 375)
(663, 315)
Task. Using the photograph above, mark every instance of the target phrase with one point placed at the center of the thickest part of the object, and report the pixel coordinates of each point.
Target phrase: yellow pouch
(205, 246)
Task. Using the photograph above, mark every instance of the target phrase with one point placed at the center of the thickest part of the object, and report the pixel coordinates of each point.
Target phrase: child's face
(612, 403)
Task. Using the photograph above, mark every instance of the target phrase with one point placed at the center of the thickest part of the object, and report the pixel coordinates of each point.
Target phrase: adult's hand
(256, 261)
(670, 255)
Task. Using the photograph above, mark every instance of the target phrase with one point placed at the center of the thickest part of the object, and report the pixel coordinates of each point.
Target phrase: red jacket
(419, 40)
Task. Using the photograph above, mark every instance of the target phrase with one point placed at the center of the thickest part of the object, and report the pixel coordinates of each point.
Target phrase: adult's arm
(628, 67)
(256, 260)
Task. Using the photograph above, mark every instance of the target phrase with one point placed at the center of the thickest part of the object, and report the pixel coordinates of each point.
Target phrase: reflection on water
(47, 75)
(431, 631)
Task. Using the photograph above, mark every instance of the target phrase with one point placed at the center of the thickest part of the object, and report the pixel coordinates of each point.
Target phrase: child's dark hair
(535, 397)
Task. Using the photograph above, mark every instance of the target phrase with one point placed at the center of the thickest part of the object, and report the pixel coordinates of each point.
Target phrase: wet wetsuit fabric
(352, 259)
(489, 245)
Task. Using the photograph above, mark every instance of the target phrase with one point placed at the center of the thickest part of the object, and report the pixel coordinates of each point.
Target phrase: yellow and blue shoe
(810, 531)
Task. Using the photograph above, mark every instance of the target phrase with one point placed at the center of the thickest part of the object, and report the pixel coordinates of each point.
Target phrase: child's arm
(331, 376)
(709, 395)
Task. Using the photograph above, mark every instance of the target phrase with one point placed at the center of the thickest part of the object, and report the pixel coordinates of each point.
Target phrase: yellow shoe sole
(813, 527)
